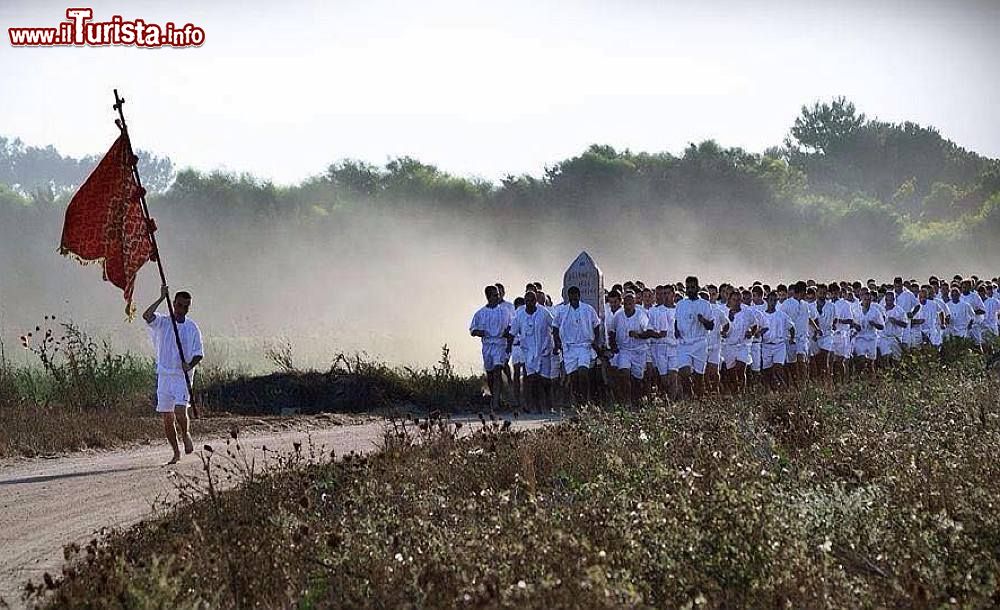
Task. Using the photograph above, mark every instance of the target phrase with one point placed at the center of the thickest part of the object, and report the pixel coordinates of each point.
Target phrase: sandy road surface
(47, 503)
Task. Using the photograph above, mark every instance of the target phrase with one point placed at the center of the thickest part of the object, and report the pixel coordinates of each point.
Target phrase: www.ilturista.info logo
(81, 30)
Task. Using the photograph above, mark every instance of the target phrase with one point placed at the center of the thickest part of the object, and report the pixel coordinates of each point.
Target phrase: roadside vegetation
(866, 495)
(82, 393)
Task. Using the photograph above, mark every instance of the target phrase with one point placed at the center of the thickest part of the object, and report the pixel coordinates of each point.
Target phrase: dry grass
(83, 394)
(871, 495)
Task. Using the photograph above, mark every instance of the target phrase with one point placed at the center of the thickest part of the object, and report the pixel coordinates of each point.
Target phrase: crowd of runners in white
(678, 340)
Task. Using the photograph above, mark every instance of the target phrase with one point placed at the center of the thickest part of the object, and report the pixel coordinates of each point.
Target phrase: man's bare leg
(685, 382)
(624, 379)
(516, 382)
(494, 379)
(712, 379)
(739, 377)
(171, 433)
(698, 385)
(184, 427)
(673, 386)
(547, 391)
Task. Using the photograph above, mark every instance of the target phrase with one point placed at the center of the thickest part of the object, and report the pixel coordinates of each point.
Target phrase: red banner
(105, 222)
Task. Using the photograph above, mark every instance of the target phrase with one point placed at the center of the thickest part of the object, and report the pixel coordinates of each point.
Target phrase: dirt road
(47, 503)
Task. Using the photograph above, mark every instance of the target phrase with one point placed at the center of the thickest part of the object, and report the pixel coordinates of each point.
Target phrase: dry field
(871, 495)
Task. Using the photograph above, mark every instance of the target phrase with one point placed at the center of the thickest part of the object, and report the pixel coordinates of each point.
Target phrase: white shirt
(740, 323)
(661, 319)
(621, 324)
(576, 326)
(869, 318)
(798, 312)
(906, 300)
(758, 309)
(686, 318)
(975, 300)
(962, 315)
(720, 317)
(844, 311)
(930, 312)
(824, 319)
(161, 331)
(896, 313)
(992, 306)
(778, 325)
(609, 316)
(493, 320)
(534, 330)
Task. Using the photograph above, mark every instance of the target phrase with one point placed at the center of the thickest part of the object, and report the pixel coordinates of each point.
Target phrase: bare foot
(188, 444)
(174, 460)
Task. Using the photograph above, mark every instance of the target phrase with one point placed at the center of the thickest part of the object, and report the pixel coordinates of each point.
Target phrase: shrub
(865, 495)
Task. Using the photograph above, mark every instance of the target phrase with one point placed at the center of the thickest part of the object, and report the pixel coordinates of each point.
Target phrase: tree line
(839, 183)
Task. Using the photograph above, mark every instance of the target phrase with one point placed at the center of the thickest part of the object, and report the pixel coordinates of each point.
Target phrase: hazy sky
(485, 88)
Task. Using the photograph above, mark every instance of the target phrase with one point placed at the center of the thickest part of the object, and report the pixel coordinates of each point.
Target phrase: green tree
(823, 127)
(940, 203)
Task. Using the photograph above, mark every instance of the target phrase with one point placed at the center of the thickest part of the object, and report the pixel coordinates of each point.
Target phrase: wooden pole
(134, 162)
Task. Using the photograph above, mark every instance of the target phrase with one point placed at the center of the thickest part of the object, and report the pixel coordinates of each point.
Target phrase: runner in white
(554, 370)
(933, 313)
(778, 330)
(517, 358)
(872, 322)
(798, 312)
(647, 302)
(992, 322)
(890, 343)
(172, 396)
(694, 318)
(973, 298)
(627, 338)
(577, 326)
(826, 297)
(844, 325)
(758, 306)
(490, 323)
(663, 342)
(962, 316)
(713, 379)
(533, 325)
(739, 324)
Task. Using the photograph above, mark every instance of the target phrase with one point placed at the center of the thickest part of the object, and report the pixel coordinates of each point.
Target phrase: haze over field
(390, 254)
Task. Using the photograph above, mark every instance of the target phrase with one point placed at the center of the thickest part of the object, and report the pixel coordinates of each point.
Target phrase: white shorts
(954, 331)
(555, 367)
(843, 345)
(825, 342)
(731, 354)
(494, 355)
(538, 364)
(934, 337)
(664, 357)
(577, 357)
(866, 347)
(715, 354)
(890, 346)
(755, 356)
(633, 360)
(794, 350)
(171, 392)
(693, 355)
(771, 354)
(813, 347)
(516, 355)
(913, 337)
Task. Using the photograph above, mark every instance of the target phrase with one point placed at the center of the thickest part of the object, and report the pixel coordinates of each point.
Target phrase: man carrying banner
(172, 395)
